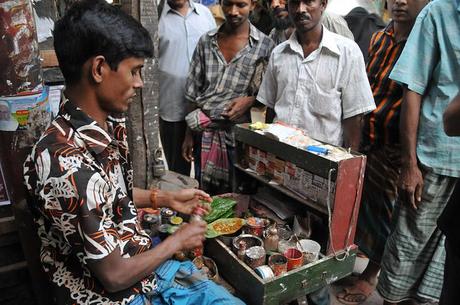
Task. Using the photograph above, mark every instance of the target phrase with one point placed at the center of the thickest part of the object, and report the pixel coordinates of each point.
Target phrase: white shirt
(179, 36)
(318, 92)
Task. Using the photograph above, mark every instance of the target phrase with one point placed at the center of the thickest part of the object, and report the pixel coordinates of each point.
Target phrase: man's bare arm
(118, 273)
(410, 180)
(183, 201)
(451, 118)
(352, 128)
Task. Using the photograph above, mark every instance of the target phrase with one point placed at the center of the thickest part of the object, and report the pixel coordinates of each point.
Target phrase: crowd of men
(396, 107)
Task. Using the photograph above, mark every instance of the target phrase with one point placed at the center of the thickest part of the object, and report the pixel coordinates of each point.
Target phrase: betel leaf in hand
(219, 208)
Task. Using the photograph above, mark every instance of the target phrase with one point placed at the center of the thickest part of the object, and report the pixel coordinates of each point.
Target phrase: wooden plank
(49, 58)
(314, 205)
(313, 163)
(13, 267)
(7, 225)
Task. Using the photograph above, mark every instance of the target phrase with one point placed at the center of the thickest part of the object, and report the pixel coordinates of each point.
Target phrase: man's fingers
(418, 192)
(187, 154)
(411, 198)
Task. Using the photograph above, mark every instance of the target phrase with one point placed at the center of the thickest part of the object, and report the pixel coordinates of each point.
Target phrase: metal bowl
(249, 239)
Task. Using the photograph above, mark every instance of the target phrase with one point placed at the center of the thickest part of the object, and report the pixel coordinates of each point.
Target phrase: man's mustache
(302, 17)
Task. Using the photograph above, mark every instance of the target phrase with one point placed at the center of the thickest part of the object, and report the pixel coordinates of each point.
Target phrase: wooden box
(338, 214)
(296, 283)
(344, 182)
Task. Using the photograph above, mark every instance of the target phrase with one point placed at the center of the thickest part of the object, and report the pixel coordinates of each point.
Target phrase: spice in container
(166, 215)
(255, 256)
(176, 220)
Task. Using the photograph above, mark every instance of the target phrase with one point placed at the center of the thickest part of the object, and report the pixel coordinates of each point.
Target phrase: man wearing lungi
(380, 142)
(222, 84)
(413, 259)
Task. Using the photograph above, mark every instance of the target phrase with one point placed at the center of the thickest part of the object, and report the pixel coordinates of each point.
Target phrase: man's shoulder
(203, 11)
(261, 37)
(346, 46)
(58, 139)
(280, 47)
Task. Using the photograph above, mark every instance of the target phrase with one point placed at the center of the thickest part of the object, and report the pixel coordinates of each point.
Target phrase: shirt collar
(328, 41)
(96, 138)
(254, 34)
(191, 3)
(390, 30)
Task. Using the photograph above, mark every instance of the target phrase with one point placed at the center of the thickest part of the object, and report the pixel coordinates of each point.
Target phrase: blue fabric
(429, 66)
(181, 283)
(319, 297)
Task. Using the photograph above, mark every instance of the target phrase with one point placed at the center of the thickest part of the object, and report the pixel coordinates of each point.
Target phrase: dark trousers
(450, 294)
(172, 136)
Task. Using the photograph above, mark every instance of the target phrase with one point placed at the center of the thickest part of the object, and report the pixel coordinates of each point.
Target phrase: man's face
(405, 10)
(118, 88)
(236, 11)
(280, 14)
(306, 14)
(175, 4)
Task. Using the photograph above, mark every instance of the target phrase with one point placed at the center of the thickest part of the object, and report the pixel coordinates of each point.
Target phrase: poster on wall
(16, 112)
(4, 200)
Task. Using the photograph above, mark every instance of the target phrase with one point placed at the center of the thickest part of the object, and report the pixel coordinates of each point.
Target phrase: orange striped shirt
(381, 126)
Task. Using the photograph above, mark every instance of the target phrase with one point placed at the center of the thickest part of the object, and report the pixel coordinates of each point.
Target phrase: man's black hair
(93, 27)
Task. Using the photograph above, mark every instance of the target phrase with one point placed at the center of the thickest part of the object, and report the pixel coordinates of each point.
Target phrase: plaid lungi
(413, 259)
(378, 200)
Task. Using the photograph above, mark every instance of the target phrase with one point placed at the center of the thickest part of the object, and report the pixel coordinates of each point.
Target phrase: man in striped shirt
(380, 141)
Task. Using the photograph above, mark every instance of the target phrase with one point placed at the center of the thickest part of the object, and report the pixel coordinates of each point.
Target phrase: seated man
(80, 177)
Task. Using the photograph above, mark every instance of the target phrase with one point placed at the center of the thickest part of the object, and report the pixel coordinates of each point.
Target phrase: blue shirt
(430, 66)
(179, 36)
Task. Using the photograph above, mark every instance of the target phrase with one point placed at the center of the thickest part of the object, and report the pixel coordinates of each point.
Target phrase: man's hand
(238, 107)
(411, 185)
(187, 146)
(185, 201)
(190, 235)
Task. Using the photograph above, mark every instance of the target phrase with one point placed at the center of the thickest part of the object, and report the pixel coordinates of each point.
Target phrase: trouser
(172, 136)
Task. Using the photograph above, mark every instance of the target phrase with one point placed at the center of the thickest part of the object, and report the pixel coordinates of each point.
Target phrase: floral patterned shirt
(80, 179)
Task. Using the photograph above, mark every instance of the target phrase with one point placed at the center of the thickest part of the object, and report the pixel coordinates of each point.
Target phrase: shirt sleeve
(195, 78)
(268, 89)
(418, 59)
(357, 95)
(79, 203)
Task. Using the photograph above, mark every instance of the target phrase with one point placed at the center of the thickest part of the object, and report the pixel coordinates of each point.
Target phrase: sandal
(356, 294)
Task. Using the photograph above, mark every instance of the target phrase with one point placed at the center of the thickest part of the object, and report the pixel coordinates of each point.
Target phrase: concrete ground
(374, 299)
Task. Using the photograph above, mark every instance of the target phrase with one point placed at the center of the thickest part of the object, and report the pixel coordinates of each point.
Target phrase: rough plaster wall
(143, 113)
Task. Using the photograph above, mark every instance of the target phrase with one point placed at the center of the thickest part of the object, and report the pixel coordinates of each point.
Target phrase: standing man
(283, 25)
(448, 222)
(413, 259)
(223, 82)
(182, 22)
(316, 80)
(380, 143)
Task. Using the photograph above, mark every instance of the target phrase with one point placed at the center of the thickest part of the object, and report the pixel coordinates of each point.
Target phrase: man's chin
(282, 23)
